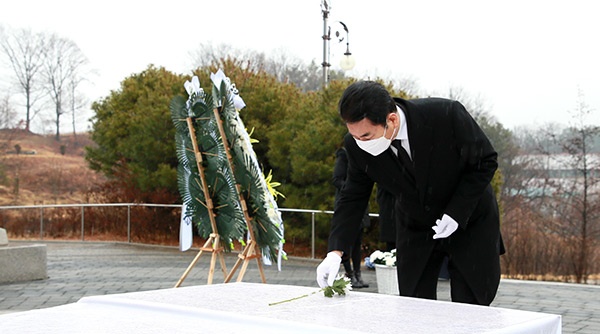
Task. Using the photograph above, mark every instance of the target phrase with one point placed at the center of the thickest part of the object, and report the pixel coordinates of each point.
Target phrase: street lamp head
(347, 62)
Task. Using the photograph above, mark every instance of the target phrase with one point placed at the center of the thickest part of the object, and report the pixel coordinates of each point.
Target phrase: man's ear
(395, 119)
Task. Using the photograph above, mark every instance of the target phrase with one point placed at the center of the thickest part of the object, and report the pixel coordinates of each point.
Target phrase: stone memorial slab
(3, 238)
(22, 263)
(244, 308)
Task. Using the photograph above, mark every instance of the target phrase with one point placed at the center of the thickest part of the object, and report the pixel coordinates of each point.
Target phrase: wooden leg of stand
(189, 268)
(253, 253)
(213, 259)
(211, 270)
(217, 245)
(260, 267)
(244, 267)
(223, 266)
(241, 257)
(250, 252)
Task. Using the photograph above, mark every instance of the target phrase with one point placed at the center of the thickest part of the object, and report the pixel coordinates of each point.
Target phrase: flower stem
(295, 298)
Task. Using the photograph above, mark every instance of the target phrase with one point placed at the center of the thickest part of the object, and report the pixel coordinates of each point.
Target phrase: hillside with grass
(37, 169)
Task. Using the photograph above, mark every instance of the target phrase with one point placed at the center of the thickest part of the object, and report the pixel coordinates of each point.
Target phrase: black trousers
(427, 286)
(352, 262)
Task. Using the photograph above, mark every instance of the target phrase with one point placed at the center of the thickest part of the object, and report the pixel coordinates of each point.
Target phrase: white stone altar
(21, 262)
(3, 238)
(244, 308)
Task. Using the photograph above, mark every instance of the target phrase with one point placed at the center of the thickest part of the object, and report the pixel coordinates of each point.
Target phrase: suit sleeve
(340, 169)
(352, 203)
(479, 160)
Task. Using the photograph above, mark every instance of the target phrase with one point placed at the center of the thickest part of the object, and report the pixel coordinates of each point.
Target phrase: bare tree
(475, 104)
(292, 69)
(76, 102)
(7, 113)
(208, 54)
(62, 69)
(282, 66)
(528, 196)
(24, 51)
(580, 211)
(566, 192)
(409, 85)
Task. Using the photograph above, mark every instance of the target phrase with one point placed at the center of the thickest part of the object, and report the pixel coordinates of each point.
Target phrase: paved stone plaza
(77, 269)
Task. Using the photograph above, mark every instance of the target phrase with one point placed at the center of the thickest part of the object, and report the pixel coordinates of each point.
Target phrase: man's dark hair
(366, 99)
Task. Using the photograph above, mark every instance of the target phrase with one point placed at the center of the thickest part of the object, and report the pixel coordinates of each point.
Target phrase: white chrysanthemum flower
(193, 87)
(346, 279)
(383, 258)
(218, 78)
(376, 255)
(194, 91)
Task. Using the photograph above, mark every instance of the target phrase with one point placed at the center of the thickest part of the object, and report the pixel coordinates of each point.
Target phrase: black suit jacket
(454, 163)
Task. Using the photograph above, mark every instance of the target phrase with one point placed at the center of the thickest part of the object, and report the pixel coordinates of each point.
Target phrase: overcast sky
(527, 60)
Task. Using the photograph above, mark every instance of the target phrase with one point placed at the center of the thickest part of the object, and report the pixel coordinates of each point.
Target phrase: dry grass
(48, 176)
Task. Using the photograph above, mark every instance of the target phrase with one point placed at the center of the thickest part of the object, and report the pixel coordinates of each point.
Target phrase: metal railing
(41, 208)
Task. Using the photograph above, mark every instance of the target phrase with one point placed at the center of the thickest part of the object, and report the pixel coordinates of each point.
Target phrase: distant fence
(129, 206)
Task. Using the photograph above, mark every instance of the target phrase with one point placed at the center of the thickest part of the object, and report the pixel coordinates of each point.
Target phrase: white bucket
(387, 280)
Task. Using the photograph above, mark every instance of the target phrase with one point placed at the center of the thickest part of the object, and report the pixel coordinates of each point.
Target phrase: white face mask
(375, 146)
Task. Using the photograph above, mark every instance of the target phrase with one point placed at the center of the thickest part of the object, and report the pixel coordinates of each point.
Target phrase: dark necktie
(402, 155)
(406, 164)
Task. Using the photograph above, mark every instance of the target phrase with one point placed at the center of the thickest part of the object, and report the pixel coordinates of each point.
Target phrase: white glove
(444, 227)
(328, 269)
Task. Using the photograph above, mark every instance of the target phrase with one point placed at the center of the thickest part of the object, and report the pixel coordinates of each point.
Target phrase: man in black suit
(438, 163)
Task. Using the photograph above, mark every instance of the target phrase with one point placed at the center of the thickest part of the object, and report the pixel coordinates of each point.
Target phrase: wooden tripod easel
(251, 251)
(214, 240)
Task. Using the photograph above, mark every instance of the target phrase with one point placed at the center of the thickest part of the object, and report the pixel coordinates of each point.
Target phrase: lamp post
(347, 62)
(326, 38)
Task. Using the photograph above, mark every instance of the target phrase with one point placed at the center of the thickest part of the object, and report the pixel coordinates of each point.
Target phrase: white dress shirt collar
(403, 132)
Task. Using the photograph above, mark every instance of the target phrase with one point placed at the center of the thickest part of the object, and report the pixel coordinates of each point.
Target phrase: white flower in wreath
(193, 87)
(218, 78)
(194, 91)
